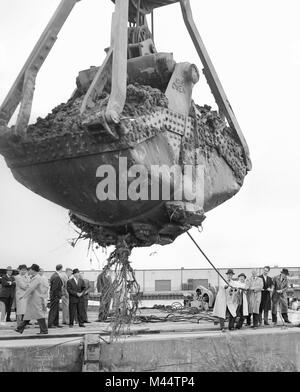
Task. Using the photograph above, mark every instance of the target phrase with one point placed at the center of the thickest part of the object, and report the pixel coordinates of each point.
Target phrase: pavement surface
(182, 324)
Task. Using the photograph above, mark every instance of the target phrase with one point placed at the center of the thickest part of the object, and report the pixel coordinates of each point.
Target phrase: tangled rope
(121, 288)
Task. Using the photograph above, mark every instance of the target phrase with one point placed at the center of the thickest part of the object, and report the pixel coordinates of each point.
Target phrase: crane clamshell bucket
(59, 158)
(130, 154)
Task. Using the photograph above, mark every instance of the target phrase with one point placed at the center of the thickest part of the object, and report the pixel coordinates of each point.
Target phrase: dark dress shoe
(19, 330)
(266, 323)
(87, 322)
(71, 325)
(82, 325)
(58, 326)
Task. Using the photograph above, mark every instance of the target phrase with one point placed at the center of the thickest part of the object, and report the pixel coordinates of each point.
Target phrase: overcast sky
(255, 48)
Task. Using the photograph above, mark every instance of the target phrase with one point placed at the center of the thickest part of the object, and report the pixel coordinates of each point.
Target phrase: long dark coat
(280, 298)
(8, 287)
(265, 303)
(56, 285)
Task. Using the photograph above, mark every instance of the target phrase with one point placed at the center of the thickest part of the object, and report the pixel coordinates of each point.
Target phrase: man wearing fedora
(265, 303)
(76, 290)
(22, 284)
(36, 308)
(279, 296)
(227, 301)
(242, 309)
(7, 293)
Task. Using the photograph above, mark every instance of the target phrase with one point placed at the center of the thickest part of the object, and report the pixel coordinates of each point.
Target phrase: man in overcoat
(65, 276)
(255, 287)
(104, 285)
(44, 286)
(22, 284)
(279, 296)
(36, 308)
(265, 303)
(227, 301)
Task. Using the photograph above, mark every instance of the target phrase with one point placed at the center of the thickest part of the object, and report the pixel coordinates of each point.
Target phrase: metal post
(212, 78)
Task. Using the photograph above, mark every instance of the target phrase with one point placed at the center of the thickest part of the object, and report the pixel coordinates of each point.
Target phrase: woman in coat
(35, 309)
(255, 284)
(22, 284)
(242, 309)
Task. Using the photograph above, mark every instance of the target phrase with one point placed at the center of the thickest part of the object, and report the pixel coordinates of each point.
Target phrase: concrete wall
(255, 351)
(273, 350)
(38, 356)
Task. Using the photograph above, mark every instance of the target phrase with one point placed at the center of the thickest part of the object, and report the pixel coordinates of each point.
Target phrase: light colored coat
(65, 298)
(45, 288)
(35, 293)
(226, 298)
(22, 284)
(254, 297)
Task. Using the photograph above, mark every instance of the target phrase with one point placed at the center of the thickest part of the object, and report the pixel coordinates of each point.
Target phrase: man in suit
(76, 289)
(265, 303)
(55, 295)
(7, 293)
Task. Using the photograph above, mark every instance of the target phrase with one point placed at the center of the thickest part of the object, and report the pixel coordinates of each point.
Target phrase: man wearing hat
(35, 308)
(279, 296)
(265, 304)
(76, 289)
(242, 309)
(22, 284)
(7, 293)
(226, 301)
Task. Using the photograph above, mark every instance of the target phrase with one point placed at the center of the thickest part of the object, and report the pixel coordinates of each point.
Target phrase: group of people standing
(31, 289)
(251, 299)
(73, 290)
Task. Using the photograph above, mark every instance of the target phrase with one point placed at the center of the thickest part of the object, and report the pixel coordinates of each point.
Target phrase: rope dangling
(121, 289)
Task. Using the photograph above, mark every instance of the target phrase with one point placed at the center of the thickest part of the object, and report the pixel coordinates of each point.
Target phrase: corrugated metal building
(187, 279)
